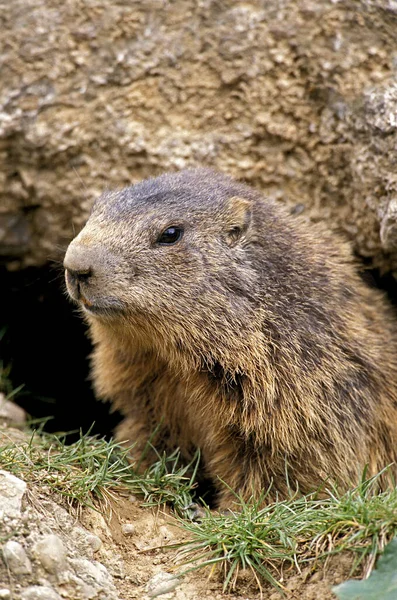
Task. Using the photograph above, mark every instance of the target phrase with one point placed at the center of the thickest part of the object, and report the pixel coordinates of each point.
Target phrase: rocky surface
(46, 554)
(296, 97)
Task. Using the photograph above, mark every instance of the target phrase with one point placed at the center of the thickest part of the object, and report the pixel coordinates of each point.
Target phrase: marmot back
(233, 327)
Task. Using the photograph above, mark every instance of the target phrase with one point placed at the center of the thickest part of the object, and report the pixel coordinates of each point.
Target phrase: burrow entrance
(45, 348)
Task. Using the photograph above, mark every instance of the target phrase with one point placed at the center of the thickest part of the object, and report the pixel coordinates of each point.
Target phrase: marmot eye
(171, 235)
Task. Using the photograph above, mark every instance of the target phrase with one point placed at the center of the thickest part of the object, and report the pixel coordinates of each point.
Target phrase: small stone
(11, 412)
(50, 552)
(12, 490)
(88, 540)
(94, 542)
(132, 498)
(91, 572)
(39, 592)
(5, 594)
(16, 558)
(161, 583)
(128, 528)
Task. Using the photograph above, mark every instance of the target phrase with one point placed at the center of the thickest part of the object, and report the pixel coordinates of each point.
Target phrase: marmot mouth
(85, 301)
(106, 308)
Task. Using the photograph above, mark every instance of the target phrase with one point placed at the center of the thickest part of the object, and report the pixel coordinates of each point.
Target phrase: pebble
(16, 558)
(39, 592)
(91, 571)
(11, 412)
(51, 553)
(161, 583)
(88, 540)
(94, 541)
(12, 490)
(128, 528)
(5, 594)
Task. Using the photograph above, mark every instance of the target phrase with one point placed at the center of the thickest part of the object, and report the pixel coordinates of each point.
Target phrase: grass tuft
(168, 482)
(293, 533)
(94, 469)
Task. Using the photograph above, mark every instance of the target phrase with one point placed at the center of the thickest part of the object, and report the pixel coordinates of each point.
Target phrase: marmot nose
(78, 266)
(79, 276)
(79, 260)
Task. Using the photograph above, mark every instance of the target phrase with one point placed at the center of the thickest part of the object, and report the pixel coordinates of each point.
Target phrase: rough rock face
(296, 97)
(45, 554)
(43, 564)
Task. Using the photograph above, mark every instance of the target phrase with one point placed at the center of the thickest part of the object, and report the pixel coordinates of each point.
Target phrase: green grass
(169, 482)
(297, 532)
(93, 469)
(288, 534)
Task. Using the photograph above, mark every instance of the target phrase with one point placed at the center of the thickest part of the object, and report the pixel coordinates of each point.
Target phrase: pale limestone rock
(12, 490)
(16, 558)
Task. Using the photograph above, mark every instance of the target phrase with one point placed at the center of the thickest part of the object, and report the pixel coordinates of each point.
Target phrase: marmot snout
(233, 327)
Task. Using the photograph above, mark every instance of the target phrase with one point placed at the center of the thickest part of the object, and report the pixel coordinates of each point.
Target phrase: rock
(92, 572)
(86, 540)
(14, 234)
(16, 558)
(10, 412)
(39, 592)
(259, 90)
(161, 583)
(94, 542)
(114, 562)
(12, 490)
(388, 228)
(97, 524)
(51, 553)
(47, 554)
(128, 528)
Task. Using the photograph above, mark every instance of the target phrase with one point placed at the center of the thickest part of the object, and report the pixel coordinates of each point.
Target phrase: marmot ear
(238, 219)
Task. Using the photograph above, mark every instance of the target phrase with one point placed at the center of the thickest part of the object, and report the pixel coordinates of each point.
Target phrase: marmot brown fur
(231, 326)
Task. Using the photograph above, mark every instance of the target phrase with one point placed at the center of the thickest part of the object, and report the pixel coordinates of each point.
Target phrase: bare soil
(147, 552)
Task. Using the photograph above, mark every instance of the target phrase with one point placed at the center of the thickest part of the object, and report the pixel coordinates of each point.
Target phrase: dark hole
(44, 342)
(386, 282)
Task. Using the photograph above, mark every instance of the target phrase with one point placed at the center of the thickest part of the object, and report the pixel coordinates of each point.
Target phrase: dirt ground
(139, 556)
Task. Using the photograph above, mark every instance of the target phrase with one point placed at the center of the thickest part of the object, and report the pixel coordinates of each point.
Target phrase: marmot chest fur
(225, 324)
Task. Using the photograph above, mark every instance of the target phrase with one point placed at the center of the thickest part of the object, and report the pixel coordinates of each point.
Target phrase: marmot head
(172, 253)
